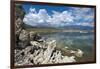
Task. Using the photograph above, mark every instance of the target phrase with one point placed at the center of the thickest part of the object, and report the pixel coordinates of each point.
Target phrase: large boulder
(79, 53)
(24, 35)
(18, 27)
(23, 39)
(36, 37)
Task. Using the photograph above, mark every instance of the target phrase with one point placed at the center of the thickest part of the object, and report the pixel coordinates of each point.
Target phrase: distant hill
(44, 27)
(25, 26)
(78, 27)
(71, 27)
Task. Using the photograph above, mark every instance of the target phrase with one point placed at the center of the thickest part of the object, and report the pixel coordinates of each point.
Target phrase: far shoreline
(48, 30)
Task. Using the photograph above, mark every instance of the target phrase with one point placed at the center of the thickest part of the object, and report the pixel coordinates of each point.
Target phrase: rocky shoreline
(41, 51)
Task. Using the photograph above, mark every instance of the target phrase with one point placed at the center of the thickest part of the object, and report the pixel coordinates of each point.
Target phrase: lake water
(74, 41)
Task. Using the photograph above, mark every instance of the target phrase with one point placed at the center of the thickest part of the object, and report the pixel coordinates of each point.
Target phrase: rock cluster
(39, 53)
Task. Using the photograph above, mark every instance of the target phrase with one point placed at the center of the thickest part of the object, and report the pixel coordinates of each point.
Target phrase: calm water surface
(83, 41)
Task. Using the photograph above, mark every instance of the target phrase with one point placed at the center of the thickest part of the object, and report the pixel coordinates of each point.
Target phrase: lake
(74, 41)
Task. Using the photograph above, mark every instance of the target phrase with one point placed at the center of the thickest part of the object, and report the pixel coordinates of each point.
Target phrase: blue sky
(48, 8)
(57, 16)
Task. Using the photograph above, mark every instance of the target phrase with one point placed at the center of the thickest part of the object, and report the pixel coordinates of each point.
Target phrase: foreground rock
(39, 53)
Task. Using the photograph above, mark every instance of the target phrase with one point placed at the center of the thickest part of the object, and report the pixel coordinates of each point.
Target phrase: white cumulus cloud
(42, 18)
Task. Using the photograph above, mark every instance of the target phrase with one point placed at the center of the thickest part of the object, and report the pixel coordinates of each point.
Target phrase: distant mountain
(69, 27)
(79, 27)
(27, 26)
(39, 26)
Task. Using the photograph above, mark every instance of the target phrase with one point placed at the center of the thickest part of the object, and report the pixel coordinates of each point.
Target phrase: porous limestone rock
(79, 53)
(24, 35)
(36, 54)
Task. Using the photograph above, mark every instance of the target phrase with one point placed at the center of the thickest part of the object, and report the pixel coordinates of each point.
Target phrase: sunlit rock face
(39, 53)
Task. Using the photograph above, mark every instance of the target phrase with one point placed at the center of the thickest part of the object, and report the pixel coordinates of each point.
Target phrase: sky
(57, 16)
